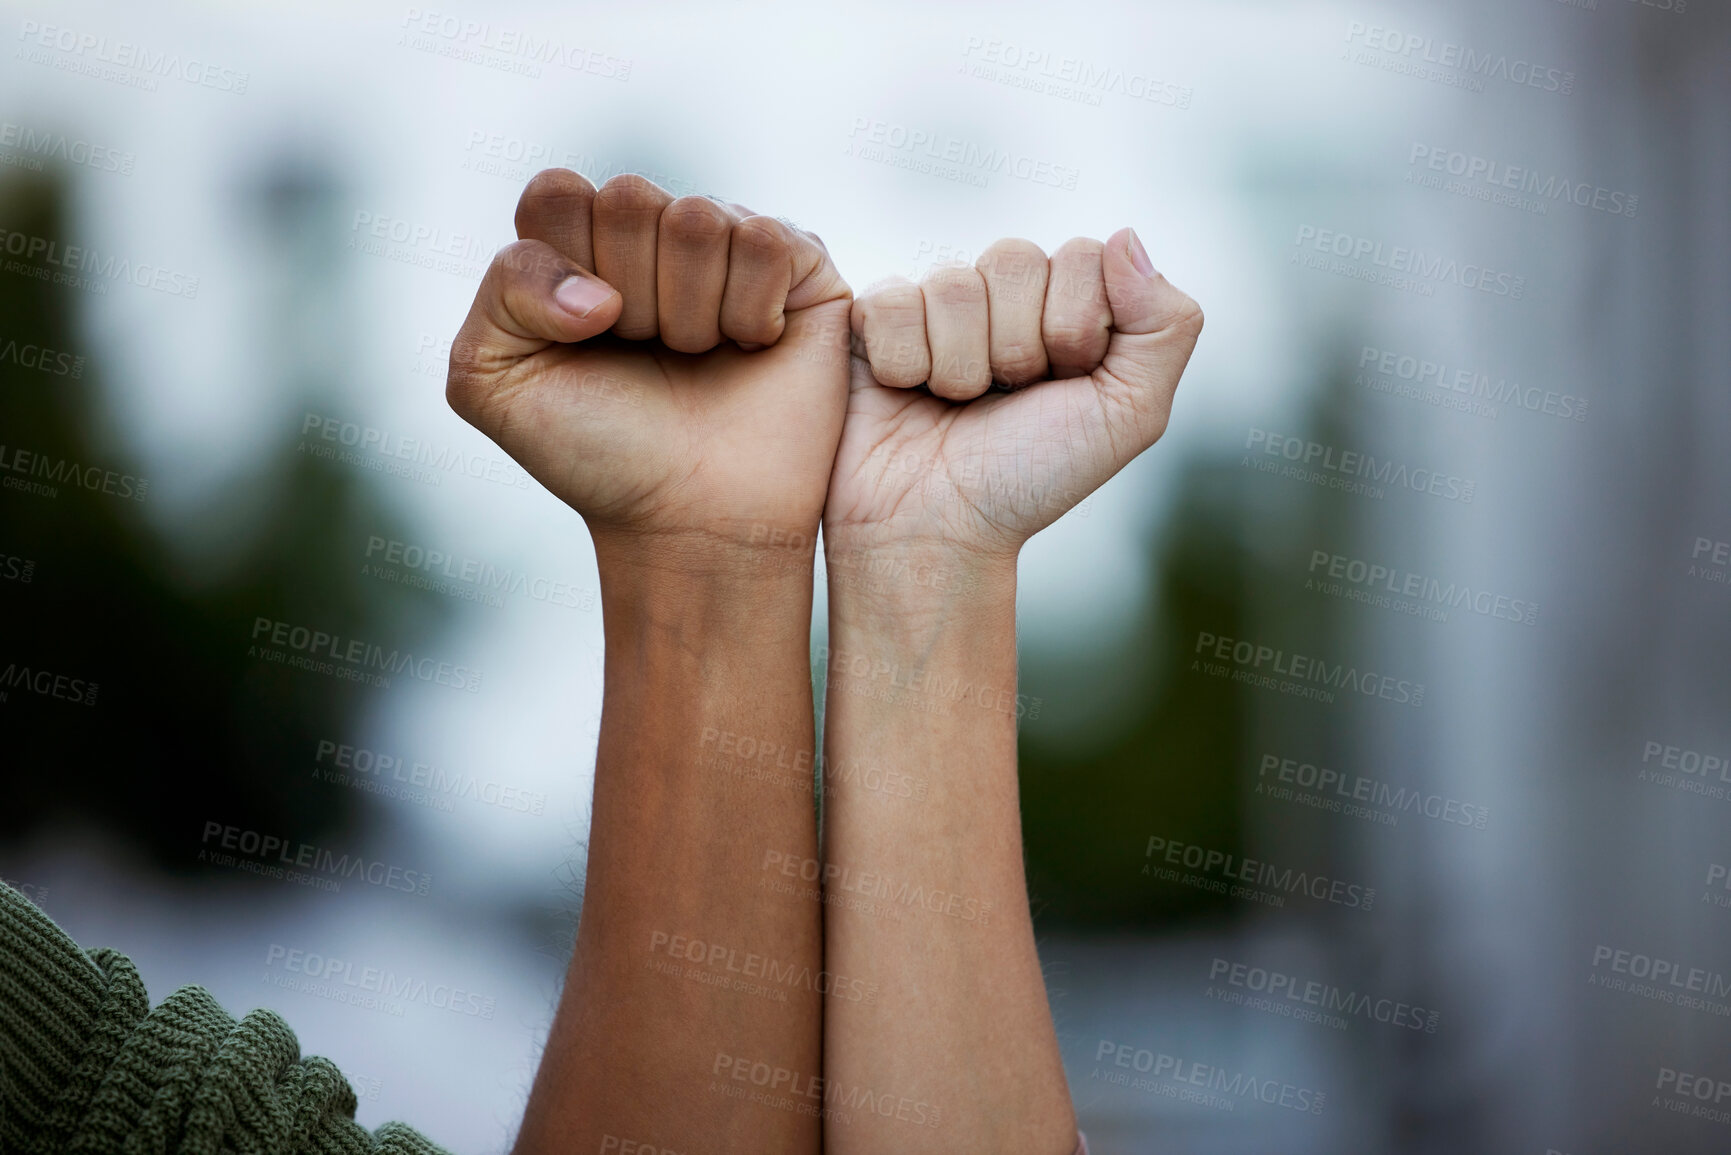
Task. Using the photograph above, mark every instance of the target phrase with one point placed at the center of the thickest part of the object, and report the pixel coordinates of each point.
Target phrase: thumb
(1154, 329)
(531, 297)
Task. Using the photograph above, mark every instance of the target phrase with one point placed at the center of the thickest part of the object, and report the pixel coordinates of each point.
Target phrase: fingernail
(1139, 256)
(581, 296)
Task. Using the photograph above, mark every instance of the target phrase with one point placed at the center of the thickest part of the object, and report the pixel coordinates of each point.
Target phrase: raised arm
(607, 353)
(933, 494)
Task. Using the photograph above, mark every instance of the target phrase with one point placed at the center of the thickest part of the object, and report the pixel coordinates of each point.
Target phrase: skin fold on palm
(673, 369)
(1042, 378)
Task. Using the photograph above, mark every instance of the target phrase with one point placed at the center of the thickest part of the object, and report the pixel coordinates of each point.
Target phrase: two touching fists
(681, 368)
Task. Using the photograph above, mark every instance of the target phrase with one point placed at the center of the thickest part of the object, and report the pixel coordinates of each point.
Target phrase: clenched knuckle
(897, 312)
(695, 218)
(552, 185)
(521, 259)
(955, 286)
(629, 192)
(1080, 250)
(1021, 355)
(762, 237)
(1012, 258)
(1071, 334)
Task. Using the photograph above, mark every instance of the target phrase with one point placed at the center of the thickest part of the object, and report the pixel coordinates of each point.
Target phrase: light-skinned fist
(1042, 377)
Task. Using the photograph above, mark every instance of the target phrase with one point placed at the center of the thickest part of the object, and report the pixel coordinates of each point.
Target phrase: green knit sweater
(87, 1066)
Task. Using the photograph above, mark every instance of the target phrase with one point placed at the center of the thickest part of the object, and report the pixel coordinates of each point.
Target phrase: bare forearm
(687, 972)
(922, 842)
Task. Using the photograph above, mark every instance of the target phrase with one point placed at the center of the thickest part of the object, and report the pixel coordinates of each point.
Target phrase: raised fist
(986, 401)
(670, 368)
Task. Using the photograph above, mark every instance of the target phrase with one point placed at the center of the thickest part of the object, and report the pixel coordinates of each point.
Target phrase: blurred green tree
(186, 728)
(1178, 760)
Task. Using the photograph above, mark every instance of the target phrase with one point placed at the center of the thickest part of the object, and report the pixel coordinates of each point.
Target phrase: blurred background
(1458, 433)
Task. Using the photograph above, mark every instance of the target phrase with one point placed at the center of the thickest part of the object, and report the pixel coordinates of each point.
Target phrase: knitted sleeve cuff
(89, 1066)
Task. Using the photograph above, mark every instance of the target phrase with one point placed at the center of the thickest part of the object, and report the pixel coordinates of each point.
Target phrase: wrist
(903, 645)
(921, 626)
(910, 581)
(720, 550)
(701, 587)
(930, 539)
